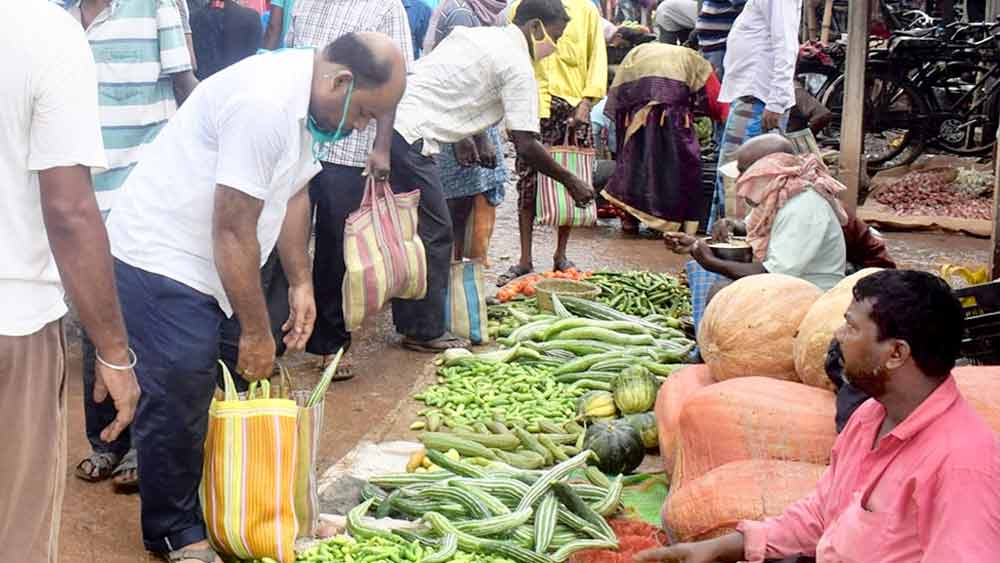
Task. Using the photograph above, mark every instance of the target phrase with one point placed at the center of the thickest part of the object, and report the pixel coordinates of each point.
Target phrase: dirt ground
(99, 526)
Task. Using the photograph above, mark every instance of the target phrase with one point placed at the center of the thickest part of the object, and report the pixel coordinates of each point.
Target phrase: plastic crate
(981, 304)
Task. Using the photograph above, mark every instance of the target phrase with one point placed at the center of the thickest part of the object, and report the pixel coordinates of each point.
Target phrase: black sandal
(563, 265)
(446, 341)
(103, 462)
(512, 274)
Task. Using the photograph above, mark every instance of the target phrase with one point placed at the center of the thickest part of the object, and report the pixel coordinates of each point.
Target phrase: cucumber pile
(489, 507)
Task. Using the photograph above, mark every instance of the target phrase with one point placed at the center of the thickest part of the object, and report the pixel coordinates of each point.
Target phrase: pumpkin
(617, 445)
(645, 424)
(754, 418)
(714, 504)
(596, 405)
(749, 327)
(816, 330)
(980, 385)
(678, 387)
(634, 390)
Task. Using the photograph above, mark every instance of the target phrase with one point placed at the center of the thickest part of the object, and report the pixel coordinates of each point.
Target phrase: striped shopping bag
(553, 204)
(383, 253)
(248, 483)
(465, 308)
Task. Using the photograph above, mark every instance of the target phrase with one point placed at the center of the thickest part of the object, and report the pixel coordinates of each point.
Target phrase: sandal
(125, 477)
(206, 555)
(563, 265)
(446, 341)
(512, 274)
(101, 466)
(343, 372)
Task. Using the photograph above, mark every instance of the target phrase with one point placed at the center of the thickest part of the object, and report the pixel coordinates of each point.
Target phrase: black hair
(549, 11)
(349, 50)
(919, 308)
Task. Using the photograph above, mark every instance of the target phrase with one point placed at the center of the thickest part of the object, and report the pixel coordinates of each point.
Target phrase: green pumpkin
(617, 445)
(634, 390)
(645, 424)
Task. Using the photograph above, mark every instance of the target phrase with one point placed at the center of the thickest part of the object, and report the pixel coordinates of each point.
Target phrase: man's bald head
(761, 146)
(369, 66)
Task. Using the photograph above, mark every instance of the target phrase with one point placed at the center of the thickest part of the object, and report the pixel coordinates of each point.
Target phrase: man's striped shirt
(714, 22)
(137, 45)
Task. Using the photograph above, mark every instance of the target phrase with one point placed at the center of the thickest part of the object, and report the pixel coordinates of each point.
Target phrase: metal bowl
(736, 250)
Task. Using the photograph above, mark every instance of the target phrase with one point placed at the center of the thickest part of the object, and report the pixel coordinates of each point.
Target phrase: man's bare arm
(237, 256)
(293, 248)
(80, 246)
(272, 38)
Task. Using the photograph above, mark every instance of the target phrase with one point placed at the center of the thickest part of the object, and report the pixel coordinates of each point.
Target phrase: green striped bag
(465, 308)
(553, 204)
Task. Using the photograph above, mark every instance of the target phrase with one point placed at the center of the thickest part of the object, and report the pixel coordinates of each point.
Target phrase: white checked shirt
(316, 23)
(761, 52)
(474, 79)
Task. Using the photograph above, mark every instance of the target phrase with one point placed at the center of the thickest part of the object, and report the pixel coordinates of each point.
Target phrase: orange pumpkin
(753, 418)
(756, 489)
(980, 385)
(669, 401)
(749, 327)
(816, 330)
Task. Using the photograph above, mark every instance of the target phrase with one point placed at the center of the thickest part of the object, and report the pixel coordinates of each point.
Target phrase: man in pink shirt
(915, 475)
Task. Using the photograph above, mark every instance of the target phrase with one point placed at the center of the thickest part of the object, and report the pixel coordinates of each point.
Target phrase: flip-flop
(103, 462)
(446, 341)
(207, 555)
(563, 265)
(512, 274)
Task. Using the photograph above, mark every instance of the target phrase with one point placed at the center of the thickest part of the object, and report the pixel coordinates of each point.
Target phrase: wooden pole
(824, 36)
(994, 264)
(811, 24)
(852, 118)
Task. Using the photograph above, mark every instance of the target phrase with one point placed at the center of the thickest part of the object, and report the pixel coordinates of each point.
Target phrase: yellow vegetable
(416, 460)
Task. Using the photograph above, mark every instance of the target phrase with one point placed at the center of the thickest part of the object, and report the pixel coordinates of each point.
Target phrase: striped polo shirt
(137, 45)
(714, 22)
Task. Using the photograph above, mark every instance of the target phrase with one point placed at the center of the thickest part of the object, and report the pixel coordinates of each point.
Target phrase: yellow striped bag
(465, 308)
(383, 253)
(248, 483)
(553, 204)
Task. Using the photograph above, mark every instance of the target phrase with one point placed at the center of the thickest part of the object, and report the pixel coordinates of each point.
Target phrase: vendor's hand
(680, 243)
(256, 355)
(581, 192)
(722, 230)
(770, 121)
(378, 165)
(581, 114)
(701, 552)
(122, 387)
(466, 153)
(302, 317)
(701, 252)
(487, 154)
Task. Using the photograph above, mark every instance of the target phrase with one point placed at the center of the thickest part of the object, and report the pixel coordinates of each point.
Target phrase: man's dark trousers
(174, 331)
(337, 192)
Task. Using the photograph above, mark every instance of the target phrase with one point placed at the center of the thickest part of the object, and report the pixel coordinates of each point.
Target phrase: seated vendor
(915, 475)
(794, 228)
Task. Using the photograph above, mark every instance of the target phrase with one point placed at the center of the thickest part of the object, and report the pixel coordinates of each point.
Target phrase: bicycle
(927, 91)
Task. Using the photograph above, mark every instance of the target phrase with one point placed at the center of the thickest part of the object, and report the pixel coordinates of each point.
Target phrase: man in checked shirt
(337, 190)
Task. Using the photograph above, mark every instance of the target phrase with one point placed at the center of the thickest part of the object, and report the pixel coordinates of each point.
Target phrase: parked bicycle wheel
(965, 96)
(894, 121)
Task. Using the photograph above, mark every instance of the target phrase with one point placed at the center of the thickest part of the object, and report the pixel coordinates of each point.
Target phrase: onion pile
(933, 192)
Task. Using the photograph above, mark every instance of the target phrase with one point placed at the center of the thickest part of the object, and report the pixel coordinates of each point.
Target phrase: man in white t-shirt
(54, 239)
(213, 195)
